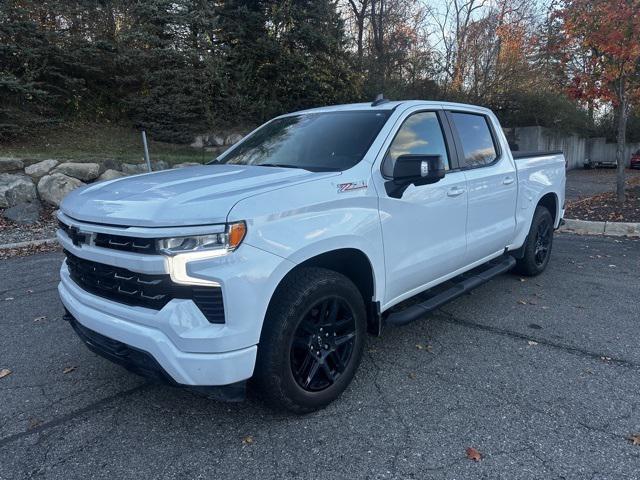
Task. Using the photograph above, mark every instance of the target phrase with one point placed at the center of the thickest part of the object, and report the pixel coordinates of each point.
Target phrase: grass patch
(97, 143)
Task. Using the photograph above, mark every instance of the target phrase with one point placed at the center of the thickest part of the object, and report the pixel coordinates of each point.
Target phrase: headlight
(221, 243)
(180, 251)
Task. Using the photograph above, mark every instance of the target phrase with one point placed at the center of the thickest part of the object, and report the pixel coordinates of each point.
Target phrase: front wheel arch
(357, 267)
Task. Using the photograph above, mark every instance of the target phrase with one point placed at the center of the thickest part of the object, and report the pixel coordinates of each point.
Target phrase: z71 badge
(348, 187)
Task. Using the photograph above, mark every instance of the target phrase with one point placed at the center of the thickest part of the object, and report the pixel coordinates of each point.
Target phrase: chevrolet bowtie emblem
(77, 237)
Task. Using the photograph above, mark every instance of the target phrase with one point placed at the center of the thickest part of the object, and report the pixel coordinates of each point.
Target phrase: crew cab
(273, 262)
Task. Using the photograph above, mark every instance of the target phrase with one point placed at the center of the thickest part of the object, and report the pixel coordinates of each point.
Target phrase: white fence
(575, 148)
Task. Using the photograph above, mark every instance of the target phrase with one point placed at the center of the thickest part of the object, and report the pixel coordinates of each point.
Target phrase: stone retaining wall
(50, 180)
(24, 184)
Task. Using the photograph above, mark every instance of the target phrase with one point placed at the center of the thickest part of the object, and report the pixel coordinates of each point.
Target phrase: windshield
(330, 141)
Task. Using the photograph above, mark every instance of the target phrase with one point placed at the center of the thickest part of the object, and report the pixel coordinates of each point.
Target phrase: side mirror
(416, 170)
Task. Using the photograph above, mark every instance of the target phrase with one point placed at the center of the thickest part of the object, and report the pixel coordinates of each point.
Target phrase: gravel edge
(33, 243)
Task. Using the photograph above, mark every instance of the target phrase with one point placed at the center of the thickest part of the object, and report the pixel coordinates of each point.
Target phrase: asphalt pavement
(586, 183)
(541, 376)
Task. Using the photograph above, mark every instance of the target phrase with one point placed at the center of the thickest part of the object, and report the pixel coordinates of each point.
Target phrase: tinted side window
(475, 135)
(420, 134)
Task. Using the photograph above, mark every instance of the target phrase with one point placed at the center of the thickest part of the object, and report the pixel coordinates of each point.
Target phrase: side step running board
(461, 285)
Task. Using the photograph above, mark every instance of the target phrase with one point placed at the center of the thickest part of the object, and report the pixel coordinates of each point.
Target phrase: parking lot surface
(586, 183)
(540, 375)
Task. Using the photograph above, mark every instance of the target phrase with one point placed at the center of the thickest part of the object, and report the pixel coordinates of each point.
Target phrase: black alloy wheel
(312, 340)
(322, 344)
(537, 247)
(543, 242)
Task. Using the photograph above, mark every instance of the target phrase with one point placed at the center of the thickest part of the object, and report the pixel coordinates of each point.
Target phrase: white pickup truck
(273, 262)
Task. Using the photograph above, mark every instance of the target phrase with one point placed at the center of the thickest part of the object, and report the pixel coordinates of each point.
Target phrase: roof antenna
(379, 100)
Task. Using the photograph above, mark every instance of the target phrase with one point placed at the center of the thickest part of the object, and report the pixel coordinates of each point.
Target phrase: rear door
(491, 183)
(424, 230)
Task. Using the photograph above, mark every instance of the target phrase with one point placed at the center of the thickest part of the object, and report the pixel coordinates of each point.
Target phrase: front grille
(139, 289)
(128, 244)
(117, 242)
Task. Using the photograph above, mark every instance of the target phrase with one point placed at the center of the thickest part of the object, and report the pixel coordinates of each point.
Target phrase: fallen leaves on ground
(30, 250)
(604, 207)
(68, 369)
(4, 372)
(247, 440)
(473, 454)
(634, 439)
(45, 227)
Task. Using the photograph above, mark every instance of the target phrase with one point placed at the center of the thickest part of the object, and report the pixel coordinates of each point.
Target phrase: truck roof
(390, 105)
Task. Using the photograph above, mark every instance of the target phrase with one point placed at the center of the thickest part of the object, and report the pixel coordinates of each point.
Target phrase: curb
(614, 229)
(32, 243)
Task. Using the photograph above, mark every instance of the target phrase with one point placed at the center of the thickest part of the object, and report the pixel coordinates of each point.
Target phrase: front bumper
(187, 345)
(143, 363)
(183, 368)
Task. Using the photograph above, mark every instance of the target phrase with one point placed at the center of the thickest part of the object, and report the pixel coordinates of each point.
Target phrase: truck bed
(543, 153)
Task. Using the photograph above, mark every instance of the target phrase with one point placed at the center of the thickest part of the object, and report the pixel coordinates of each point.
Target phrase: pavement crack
(451, 318)
(389, 409)
(71, 415)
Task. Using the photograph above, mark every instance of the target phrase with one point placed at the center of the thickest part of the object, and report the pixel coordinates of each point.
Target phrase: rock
(186, 164)
(233, 139)
(82, 171)
(23, 213)
(10, 164)
(110, 175)
(198, 141)
(40, 169)
(134, 168)
(53, 188)
(15, 189)
(215, 140)
(160, 165)
(109, 164)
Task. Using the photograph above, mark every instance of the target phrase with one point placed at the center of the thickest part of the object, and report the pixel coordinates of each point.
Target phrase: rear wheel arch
(550, 202)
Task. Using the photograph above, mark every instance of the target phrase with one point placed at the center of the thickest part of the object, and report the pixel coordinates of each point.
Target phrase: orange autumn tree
(607, 34)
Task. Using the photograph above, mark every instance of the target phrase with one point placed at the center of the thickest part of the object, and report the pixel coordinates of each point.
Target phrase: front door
(424, 230)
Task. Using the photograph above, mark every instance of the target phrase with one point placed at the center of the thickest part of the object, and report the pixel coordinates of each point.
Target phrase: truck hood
(181, 197)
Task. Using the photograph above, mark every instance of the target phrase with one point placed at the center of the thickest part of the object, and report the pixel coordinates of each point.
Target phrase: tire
(537, 247)
(292, 343)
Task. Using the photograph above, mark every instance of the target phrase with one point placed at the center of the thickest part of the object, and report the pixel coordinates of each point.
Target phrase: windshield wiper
(309, 169)
(281, 165)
